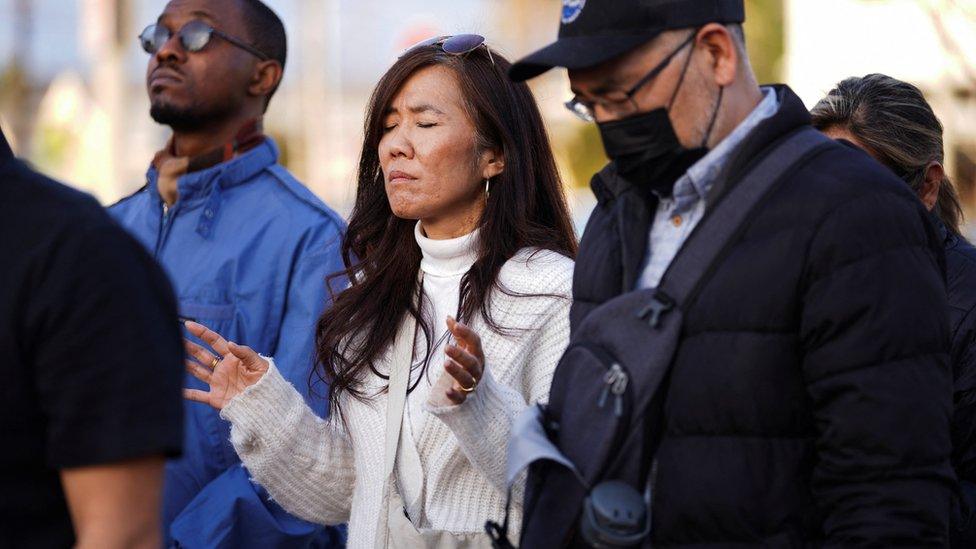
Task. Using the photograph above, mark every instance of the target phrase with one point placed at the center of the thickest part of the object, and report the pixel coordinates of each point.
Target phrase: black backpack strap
(729, 213)
(722, 223)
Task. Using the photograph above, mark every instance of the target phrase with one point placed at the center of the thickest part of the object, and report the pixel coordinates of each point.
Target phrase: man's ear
(723, 54)
(492, 163)
(928, 192)
(267, 75)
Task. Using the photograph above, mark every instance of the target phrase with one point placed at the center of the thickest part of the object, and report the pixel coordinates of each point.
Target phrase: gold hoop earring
(487, 189)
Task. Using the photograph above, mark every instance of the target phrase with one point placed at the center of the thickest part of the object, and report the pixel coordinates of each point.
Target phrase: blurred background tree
(15, 81)
(765, 39)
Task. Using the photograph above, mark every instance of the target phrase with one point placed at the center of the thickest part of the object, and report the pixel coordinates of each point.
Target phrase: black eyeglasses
(458, 44)
(194, 36)
(584, 109)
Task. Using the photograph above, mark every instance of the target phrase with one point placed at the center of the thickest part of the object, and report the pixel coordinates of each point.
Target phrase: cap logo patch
(572, 10)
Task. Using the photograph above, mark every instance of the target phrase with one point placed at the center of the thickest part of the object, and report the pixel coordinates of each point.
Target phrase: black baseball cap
(594, 31)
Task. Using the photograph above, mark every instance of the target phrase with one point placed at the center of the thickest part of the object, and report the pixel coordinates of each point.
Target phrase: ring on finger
(214, 362)
(473, 386)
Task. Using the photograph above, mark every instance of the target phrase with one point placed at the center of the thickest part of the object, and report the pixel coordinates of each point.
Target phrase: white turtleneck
(444, 264)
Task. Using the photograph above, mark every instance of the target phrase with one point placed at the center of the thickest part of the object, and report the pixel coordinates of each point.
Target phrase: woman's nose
(400, 144)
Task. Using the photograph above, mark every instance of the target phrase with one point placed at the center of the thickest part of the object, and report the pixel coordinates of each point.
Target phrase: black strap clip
(498, 533)
(660, 305)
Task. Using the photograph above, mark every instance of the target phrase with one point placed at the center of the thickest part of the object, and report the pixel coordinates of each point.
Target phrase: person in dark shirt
(90, 402)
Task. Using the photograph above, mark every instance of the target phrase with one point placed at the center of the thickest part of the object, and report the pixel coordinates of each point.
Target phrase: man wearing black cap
(809, 395)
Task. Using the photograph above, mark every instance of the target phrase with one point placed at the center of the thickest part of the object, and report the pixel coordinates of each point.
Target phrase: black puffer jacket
(961, 284)
(811, 394)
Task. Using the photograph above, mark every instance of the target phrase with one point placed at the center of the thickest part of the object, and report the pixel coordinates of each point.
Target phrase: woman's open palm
(237, 368)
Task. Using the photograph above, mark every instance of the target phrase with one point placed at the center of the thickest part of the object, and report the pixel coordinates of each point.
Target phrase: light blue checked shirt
(678, 214)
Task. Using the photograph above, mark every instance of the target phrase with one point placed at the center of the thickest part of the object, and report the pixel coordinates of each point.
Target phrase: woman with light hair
(893, 123)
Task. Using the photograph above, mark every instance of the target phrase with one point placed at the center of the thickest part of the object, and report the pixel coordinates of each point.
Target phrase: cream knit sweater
(319, 471)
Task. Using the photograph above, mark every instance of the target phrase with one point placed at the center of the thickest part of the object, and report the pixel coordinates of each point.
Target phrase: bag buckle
(660, 304)
(498, 533)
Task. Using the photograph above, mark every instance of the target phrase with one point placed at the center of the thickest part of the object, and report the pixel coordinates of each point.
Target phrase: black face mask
(646, 150)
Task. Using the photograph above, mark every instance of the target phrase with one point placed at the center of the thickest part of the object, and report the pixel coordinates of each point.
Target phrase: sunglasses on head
(458, 44)
(194, 36)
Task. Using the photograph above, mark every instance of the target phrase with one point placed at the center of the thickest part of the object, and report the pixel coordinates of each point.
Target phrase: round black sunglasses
(458, 44)
(194, 36)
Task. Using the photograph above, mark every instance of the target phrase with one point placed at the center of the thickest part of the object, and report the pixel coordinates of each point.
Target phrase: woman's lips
(397, 176)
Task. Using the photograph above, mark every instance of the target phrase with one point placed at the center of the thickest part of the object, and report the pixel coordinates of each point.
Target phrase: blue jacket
(248, 249)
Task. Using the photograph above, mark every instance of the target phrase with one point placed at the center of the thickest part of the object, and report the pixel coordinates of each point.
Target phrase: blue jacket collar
(206, 185)
(949, 240)
(225, 175)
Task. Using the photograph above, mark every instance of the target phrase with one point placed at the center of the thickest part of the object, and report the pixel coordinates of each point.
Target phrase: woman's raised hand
(463, 368)
(237, 368)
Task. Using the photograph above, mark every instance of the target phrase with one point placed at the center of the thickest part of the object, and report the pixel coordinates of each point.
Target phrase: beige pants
(404, 535)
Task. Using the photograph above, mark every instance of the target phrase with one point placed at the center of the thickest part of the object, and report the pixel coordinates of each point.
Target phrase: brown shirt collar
(171, 167)
(250, 136)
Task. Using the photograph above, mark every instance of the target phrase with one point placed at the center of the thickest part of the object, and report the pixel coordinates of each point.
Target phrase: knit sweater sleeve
(305, 462)
(482, 424)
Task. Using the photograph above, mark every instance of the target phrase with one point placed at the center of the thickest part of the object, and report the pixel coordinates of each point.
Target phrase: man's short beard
(187, 119)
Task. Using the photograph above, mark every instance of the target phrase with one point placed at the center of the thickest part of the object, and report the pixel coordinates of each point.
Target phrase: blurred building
(81, 112)
(72, 76)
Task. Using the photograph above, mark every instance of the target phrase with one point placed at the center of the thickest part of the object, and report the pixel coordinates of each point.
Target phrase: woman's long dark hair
(526, 208)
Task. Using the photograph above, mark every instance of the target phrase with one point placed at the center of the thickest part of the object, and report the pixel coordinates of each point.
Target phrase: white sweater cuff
(482, 423)
(259, 412)
(305, 464)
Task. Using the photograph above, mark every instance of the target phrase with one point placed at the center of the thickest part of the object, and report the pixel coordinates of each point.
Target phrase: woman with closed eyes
(459, 252)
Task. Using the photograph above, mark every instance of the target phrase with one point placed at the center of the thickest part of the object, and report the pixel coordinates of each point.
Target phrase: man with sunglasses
(809, 396)
(248, 247)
